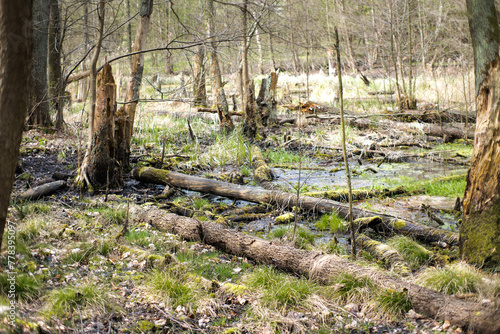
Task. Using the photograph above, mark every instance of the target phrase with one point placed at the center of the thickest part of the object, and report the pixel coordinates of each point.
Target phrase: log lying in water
(342, 194)
(324, 268)
(285, 200)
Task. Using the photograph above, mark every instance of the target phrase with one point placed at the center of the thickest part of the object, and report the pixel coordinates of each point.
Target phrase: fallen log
(448, 132)
(285, 200)
(46, 189)
(431, 116)
(342, 194)
(384, 253)
(324, 268)
(215, 111)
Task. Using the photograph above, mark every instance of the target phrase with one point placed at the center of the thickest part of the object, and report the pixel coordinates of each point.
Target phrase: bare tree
(39, 108)
(16, 58)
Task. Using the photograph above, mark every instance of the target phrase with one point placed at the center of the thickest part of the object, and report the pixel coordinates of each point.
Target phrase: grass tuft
(348, 288)
(24, 286)
(176, 290)
(394, 303)
(412, 252)
(331, 222)
(457, 278)
(87, 297)
(304, 238)
(280, 290)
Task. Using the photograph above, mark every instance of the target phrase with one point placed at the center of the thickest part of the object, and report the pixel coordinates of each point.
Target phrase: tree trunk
(199, 87)
(83, 175)
(480, 230)
(388, 223)
(134, 84)
(266, 101)
(324, 268)
(56, 86)
(39, 107)
(219, 97)
(16, 48)
(102, 158)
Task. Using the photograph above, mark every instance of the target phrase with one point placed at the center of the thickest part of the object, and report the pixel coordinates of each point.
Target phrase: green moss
(480, 236)
(398, 224)
(285, 218)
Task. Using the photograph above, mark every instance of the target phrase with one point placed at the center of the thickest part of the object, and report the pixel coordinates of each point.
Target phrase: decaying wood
(266, 101)
(262, 174)
(390, 224)
(431, 116)
(342, 196)
(46, 189)
(324, 268)
(215, 111)
(307, 107)
(447, 132)
(384, 253)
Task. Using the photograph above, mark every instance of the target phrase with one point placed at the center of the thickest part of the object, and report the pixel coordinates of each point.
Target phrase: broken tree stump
(284, 200)
(324, 268)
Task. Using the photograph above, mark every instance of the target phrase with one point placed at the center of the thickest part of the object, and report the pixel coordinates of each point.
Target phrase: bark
(384, 253)
(323, 268)
(262, 174)
(226, 123)
(266, 101)
(285, 200)
(56, 86)
(102, 158)
(480, 230)
(342, 195)
(41, 191)
(134, 85)
(39, 102)
(16, 46)
(199, 87)
(250, 121)
(431, 116)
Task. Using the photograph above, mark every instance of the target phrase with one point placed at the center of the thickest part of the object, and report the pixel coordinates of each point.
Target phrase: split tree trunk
(134, 85)
(102, 157)
(199, 87)
(480, 230)
(285, 200)
(324, 268)
(266, 101)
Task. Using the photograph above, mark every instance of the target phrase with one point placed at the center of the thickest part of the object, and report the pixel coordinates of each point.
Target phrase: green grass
(304, 238)
(175, 289)
(348, 288)
(279, 290)
(412, 252)
(25, 286)
(451, 188)
(69, 300)
(393, 303)
(453, 279)
(279, 156)
(31, 228)
(331, 222)
(87, 250)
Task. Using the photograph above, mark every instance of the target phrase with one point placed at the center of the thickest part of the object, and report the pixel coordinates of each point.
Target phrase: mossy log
(324, 268)
(284, 200)
(384, 253)
(432, 116)
(341, 195)
(46, 189)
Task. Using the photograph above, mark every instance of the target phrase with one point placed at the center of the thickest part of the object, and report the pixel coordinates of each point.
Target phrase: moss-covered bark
(480, 230)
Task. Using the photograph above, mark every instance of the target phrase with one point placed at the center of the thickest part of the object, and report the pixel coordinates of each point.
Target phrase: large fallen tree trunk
(324, 268)
(286, 200)
(46, 189)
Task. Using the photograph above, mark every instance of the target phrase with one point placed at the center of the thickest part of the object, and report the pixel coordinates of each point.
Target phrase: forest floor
(78, 270)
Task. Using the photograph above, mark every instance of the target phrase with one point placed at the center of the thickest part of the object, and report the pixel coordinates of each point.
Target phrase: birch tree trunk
(480, 230)
(56, 85)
